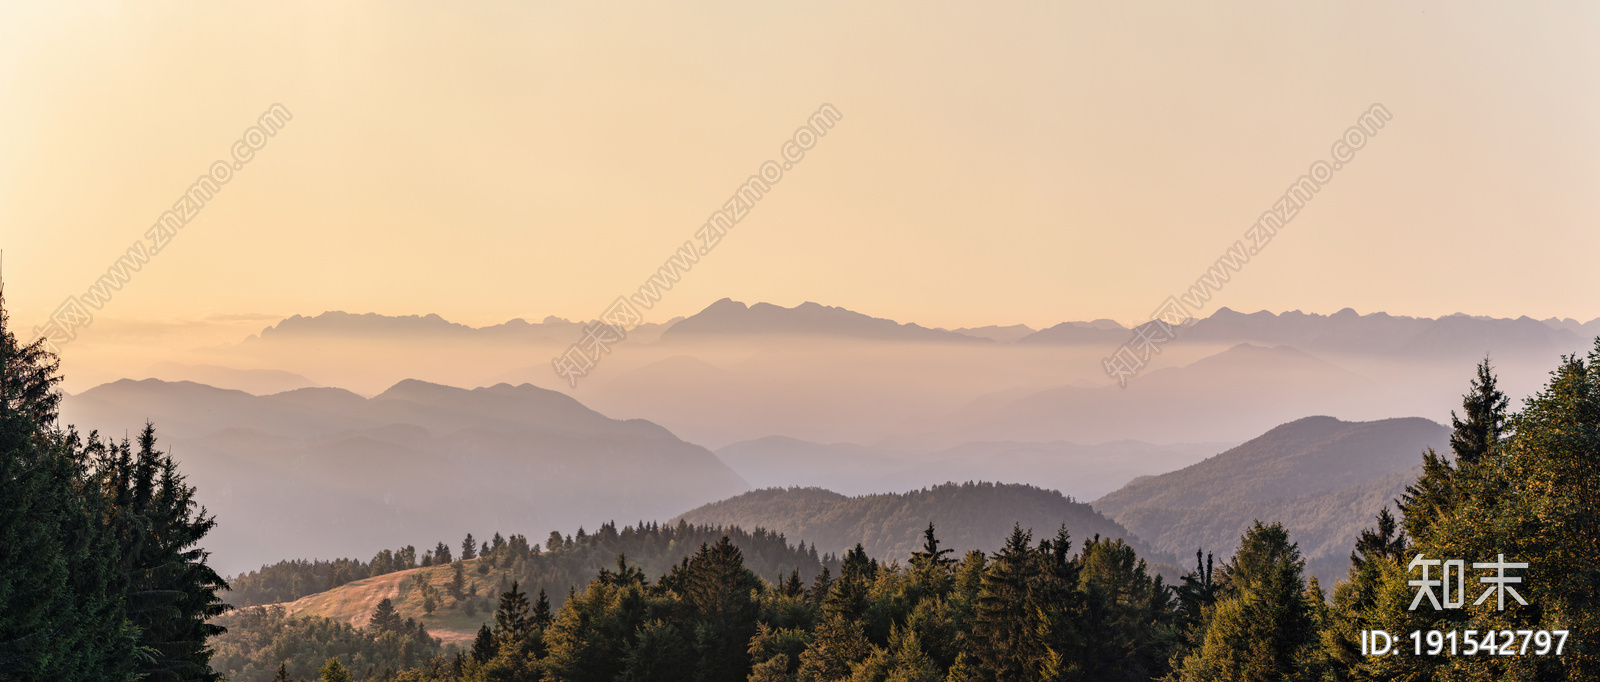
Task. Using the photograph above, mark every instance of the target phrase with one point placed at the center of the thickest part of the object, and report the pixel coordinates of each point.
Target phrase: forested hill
(450, 595)
(323, 471)
(889, 526)
(1323, 478)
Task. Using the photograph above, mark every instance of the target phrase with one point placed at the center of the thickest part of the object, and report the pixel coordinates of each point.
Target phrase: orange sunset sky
(997, 163)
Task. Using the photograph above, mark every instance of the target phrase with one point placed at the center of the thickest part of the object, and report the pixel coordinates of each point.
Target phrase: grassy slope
(353, 602)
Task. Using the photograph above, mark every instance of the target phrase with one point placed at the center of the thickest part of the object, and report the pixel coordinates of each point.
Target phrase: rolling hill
(1323, 478)
(1077, 470)
(889, 526)
(562, 564)
(326, 472)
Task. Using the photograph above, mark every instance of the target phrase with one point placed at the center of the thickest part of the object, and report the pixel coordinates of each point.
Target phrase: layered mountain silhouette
(967, 516)
(1245, 389)
(1081, 471)
(728, 317)
(1106, 332)
(432, 327)
(1002, 334)
(1323, 478)
(1345, 331)
(326, 472)
(256, 381)
(1348, 332)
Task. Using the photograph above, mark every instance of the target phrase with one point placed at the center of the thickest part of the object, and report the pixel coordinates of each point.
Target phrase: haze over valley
(292, 437)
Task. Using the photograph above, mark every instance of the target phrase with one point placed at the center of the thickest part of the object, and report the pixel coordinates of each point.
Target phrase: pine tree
(793, 587)
(658, 652)
(715, 584)
(485, 646)
(513, 621)
(173, 592)
(1472, 439)
(1386, 541)
(441, 554)
(930, 550)
(283, 673)
(384, 618)
(333, 671)
(1263, 627)
(821, 586)
(1484, 427)
(542, 617)
(62, 590)
(1008, 645)
(469, 548)
(837, 643)
(458, 582)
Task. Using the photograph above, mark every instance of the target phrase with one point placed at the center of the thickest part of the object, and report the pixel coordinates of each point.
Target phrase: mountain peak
(728, 317)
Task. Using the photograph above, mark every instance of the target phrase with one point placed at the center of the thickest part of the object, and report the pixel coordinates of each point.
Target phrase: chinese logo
(1455, 594)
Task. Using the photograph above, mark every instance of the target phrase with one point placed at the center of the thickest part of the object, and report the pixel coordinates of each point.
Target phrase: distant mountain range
(1245, 389)
(967, 516)
(256, 381)
(728, 317)
(431, 327)
(1080, 471)
(326, 472)
(1345, 331)
(1325, 479)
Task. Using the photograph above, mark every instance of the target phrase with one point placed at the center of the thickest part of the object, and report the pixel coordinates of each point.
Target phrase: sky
(995, 163)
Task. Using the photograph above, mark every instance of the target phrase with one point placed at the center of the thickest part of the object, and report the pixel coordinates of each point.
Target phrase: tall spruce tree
(1008, 646)
(62, 589)
(513, 620)
(172, 591)
(1263, 626)
(384, 618)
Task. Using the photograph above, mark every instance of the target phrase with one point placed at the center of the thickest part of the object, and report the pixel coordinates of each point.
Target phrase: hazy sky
(997, 162)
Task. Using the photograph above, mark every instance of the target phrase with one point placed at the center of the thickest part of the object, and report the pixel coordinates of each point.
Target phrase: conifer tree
(384, 618)
(172, 591)
(485, 646)
(1007, 643)
(931, 553)
(837, 643)
(541, 616)
(333, 671)
(458, 582)
(1263, 626)
(62, 591)
(1197, 591)
(1484, 427)
(513, 620)
(793, 587)
(469, 548)
(821, 586)
(715, 584)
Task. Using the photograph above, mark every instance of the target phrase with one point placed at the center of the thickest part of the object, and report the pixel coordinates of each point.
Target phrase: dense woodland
(262, 641)
(103, 577)
(563, 561)
(972, 515)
